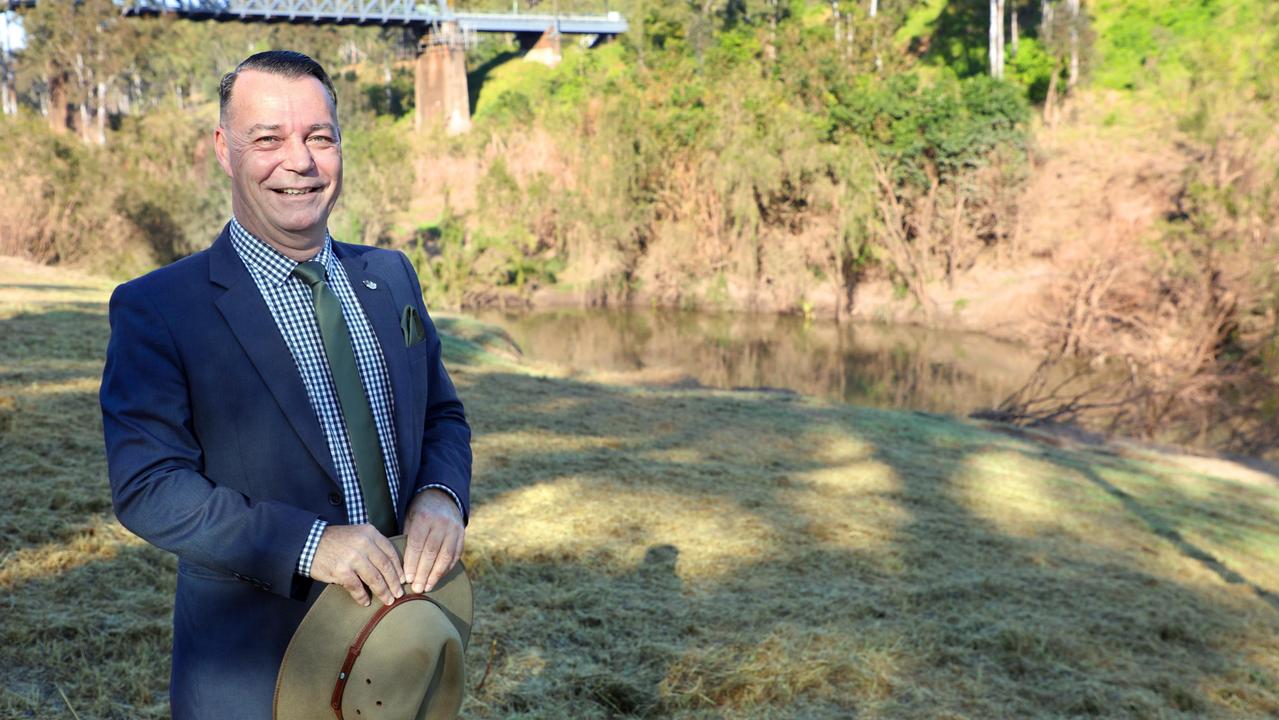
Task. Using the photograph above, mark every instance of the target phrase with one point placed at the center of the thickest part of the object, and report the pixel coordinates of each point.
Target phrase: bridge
(443, 34)
(405, 13)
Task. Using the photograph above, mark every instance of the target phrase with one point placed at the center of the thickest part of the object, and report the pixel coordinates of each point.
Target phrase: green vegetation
(648, 552)
(747, 127)
(676, 553)
(1147, 42)
(771, 156)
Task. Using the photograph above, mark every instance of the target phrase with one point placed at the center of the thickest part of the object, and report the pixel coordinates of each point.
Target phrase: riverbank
(666, 552)
(1096, 190)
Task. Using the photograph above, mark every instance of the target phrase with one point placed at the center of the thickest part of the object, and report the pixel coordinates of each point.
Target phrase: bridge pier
(545, 50)
(440, 91)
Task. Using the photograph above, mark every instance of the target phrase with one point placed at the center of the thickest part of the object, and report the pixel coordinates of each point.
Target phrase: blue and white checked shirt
(292, 306)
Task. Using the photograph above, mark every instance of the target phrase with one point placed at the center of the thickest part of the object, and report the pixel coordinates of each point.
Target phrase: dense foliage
(744, 138)
(745, 154)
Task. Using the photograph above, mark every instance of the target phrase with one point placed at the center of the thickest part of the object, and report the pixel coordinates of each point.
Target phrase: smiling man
(276, 406)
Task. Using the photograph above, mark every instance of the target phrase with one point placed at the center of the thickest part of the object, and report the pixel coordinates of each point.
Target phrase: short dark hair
(285, 63)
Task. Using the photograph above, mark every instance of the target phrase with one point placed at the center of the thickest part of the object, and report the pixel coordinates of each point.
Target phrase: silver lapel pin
(370, 284)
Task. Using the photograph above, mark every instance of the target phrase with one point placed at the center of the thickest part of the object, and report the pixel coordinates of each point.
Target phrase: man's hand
(354, 556)
(435, 534)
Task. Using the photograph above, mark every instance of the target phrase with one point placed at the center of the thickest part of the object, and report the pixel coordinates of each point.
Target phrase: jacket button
(335, 499)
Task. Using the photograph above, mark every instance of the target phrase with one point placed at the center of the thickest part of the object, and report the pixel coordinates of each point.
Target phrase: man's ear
(220, 148)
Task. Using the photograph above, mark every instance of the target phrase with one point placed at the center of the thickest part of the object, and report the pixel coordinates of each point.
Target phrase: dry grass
(641, 551)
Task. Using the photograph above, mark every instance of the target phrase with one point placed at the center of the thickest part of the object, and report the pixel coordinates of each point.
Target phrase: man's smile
(296, 191)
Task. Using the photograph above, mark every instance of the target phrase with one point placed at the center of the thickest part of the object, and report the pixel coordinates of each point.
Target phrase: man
(276, 406)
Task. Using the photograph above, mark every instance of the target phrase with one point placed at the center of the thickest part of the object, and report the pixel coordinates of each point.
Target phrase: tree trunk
(82, 126)
(837, 19)
(1012, 19)
(850, 36)
(58, 101)
(102, 113)
(1073, 79)
(874, 34)
(136, 81)
(999, 45)
(1050, 102)
(996, 36)
(387, 77)
(8, 95)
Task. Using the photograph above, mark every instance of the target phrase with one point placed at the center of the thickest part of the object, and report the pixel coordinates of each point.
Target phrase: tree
(1072, 12)
(874, 38)
(1066, 35)
(1012, 23)
(8, 90)
(80, 48)
(997, 39)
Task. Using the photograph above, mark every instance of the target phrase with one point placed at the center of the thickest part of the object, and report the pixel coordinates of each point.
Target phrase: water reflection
(876, 365)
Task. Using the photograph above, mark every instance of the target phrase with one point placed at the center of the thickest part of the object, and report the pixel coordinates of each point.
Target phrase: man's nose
(297, 156)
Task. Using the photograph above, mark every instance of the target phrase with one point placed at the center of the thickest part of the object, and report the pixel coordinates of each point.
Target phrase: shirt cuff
(452, 494)
(308, 550)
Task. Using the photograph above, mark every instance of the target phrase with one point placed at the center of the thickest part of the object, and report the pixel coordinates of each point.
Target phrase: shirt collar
(270, 263)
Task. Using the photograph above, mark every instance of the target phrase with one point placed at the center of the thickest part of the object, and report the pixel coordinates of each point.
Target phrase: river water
(865, 364)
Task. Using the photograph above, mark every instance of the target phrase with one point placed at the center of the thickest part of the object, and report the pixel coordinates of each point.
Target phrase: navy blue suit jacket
(215, 454)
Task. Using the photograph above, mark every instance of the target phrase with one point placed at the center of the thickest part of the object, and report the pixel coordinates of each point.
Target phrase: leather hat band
(354, 651)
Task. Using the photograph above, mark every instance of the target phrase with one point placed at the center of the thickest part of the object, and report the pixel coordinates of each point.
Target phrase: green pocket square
(412, 327)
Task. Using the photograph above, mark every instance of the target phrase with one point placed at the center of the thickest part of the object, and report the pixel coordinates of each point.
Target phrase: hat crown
(408, 656)
(398, 673)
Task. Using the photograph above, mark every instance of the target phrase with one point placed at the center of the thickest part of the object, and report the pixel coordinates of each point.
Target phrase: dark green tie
(355, 404)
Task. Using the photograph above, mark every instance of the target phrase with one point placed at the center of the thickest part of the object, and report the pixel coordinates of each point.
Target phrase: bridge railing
(488, 16)
(385, 10)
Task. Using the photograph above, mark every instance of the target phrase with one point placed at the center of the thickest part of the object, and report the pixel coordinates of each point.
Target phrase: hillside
(651, 552)
(1109, 200)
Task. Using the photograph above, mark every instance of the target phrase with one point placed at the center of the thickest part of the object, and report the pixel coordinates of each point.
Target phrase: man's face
(279, 142)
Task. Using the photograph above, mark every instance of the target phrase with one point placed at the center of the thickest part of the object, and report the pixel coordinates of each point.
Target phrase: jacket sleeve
(446, 436)
(155, 462)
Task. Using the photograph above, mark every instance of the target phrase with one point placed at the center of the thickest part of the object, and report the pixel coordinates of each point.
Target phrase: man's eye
(322, 139)
(267, 140)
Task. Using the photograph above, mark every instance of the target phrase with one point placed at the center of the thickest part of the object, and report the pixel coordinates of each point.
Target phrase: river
(865, 364)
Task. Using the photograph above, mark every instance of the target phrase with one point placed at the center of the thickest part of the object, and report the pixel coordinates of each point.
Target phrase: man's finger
(415, 537)
(372, 577)
(443, 562)
(430, 548)
(388, 561)
(351, 583)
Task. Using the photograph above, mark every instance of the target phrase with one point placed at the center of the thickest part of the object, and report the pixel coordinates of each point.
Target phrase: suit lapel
(251, 322)
(375, 297)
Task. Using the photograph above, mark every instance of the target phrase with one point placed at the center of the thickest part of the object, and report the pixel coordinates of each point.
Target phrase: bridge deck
(412, 13)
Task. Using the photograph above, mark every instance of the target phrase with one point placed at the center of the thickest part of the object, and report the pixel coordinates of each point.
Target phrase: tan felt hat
(402, 661)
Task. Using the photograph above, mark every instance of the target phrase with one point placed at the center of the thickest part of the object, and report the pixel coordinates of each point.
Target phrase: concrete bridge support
(440, 92)
(545, 50)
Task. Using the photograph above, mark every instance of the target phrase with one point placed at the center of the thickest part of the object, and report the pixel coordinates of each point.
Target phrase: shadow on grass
(1161, 527)
(52, 469)
(97, 633)
(655, 553)
(947, 613)
(47, 287)
(1038, 625)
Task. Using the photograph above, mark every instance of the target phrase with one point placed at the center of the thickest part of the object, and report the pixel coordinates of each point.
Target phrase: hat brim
(320, 644)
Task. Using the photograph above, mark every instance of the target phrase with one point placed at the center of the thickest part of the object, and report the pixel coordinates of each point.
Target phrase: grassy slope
(691, 553)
